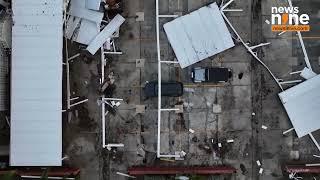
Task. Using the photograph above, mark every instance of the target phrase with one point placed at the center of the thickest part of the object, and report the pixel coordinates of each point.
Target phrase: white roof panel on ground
(198, 35)
(302, 103)
(36, 83)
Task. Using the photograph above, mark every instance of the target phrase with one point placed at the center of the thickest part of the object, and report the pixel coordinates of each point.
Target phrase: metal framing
(160, 109)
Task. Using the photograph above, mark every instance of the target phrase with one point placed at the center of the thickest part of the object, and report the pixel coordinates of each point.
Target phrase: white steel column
(159, 77)
(103, 107)
(159, 81)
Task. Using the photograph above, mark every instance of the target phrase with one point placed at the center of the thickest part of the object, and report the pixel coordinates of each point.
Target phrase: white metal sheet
(72, 24)
(78, 9)
(87, 32)
(302, 103)
(36, 83)
(198, 35)
(105, 34)
(93, 4)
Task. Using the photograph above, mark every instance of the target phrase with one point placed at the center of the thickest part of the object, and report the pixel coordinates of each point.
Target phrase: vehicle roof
(218, 74)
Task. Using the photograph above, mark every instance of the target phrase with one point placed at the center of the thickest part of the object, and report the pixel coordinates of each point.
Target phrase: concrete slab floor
(247, 102)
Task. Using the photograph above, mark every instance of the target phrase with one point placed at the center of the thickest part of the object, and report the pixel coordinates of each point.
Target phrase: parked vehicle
(170, 89)
(214, 75)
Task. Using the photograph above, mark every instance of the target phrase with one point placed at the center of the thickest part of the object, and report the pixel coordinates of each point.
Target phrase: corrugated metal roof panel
(198, 35)
(302, 103)
(36, 83)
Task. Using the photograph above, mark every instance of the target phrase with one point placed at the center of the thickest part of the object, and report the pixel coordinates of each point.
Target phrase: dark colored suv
(170, 89)
(214, 75)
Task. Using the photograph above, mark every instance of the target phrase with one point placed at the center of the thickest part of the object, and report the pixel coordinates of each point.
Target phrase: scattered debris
(281, 33)
(287, 131)
(260, 171)
(258, 163)
(294, 155)
(267, 21)
(140, 151)
(182, 153)
(230, 141)
(192, 131)
(126, 175)
(317, 156)
(182, 178)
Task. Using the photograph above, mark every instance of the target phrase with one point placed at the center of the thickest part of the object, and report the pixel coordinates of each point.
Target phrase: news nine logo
(289, 19)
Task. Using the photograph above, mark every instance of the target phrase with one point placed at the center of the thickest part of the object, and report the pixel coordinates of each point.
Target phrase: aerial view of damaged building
(160, 89)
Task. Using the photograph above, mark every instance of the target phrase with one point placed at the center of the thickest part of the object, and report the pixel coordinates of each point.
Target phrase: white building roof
(36, 83)
(302, 103)
(198, 35)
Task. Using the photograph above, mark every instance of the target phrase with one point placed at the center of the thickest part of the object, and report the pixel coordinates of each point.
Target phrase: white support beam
(259, 45)
(125, 175)
(159, 155)
(73, 57)
(80, 102)
(227, 4)
(170, 62)
(169, 109)
(232, 10)
(169, 156)
(112, 99)
(112, 52)
(168, 16)
(281, 33)
(295, 72)
(247, 47)
(290, 82)
(75, 98)
(314, 141)
(287, 131)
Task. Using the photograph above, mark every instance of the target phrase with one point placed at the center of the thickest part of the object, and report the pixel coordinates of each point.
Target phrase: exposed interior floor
(216, 112)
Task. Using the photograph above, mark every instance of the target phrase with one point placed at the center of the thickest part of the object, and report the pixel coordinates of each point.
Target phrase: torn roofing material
(302, 103)
(78, 9)
(36, 83)
(105, 34)
(198, 35)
